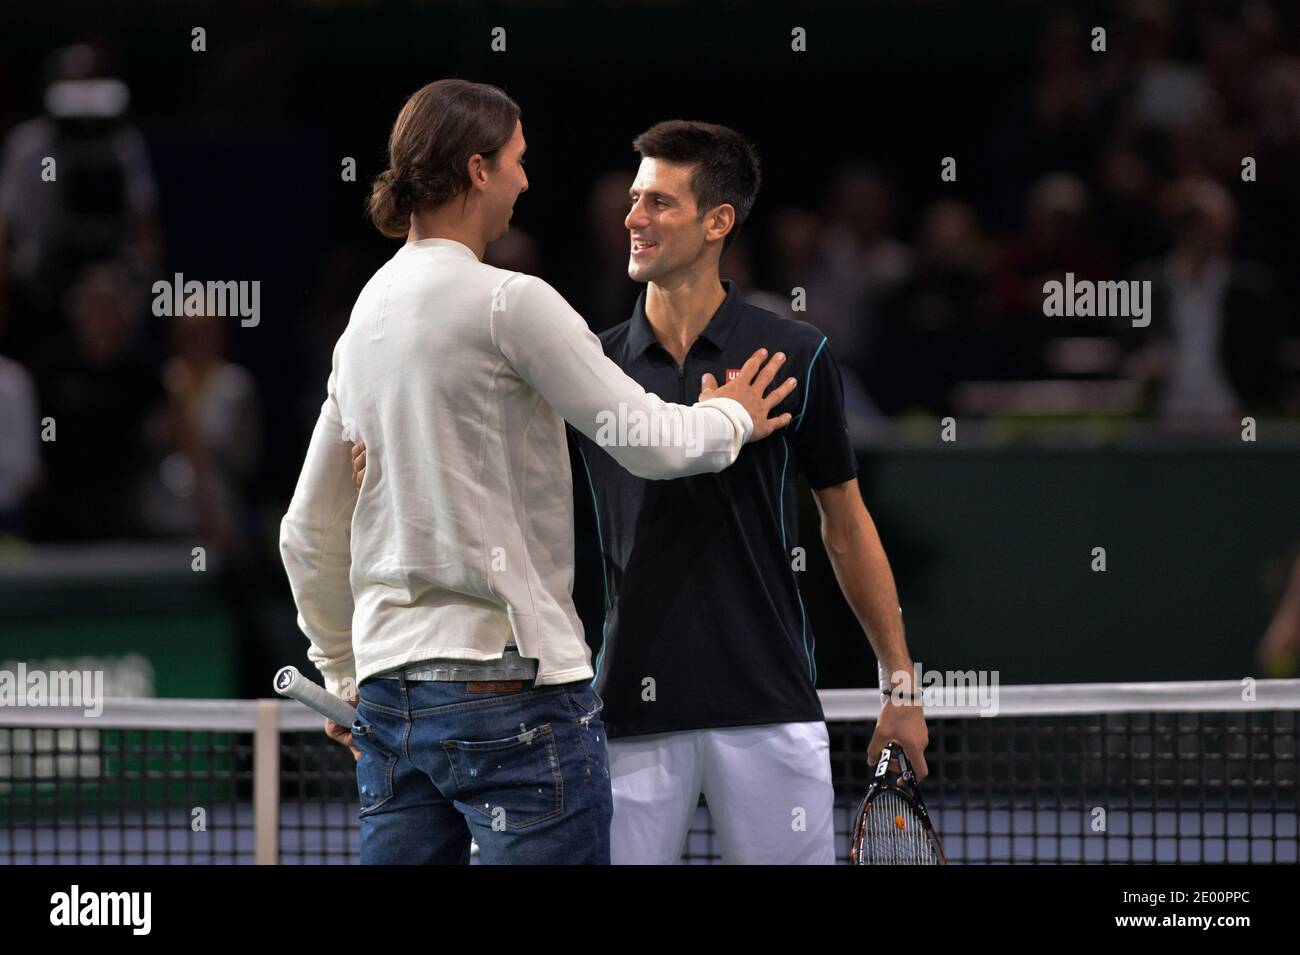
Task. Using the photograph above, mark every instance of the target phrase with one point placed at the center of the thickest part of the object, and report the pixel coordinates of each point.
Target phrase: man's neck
(678, 309)
(441, 225)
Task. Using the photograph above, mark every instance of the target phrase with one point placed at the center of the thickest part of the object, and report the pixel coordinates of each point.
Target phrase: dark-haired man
(707, 669)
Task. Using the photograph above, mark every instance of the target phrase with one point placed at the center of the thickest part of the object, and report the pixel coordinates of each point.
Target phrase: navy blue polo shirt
(704, 625)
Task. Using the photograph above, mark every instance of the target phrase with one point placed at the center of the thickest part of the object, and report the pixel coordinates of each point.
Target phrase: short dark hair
(438, 129)
(726, 163)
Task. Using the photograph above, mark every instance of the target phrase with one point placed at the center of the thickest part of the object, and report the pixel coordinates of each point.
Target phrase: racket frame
(902, 783)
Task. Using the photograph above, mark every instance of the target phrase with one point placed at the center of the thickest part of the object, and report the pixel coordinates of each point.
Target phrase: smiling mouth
(641, 247)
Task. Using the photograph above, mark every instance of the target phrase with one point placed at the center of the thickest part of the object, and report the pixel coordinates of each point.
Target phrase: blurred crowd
(1174, 157)
(114, 425)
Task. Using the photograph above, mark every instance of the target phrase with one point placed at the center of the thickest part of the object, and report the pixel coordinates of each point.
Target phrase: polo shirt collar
(641, 336)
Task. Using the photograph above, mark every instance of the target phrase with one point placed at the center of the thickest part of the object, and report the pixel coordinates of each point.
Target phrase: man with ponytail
(440, 595)
(709, 678)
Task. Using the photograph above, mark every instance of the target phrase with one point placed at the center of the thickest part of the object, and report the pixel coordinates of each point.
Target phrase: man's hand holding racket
(292, 684)
(904, 721)
(342, 734)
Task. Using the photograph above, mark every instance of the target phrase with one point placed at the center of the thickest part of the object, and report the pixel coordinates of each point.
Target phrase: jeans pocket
(514, 782)
(586, 705)
(584, 702)
(374, 769)
(597, 705)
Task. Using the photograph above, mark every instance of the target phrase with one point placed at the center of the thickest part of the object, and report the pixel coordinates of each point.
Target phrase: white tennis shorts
(768, 788)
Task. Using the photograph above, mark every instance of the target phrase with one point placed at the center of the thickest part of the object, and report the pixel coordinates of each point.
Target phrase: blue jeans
(524, 771)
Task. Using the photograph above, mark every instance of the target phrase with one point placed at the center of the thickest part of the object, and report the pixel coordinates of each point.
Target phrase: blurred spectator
(1057, 241)
(204, 451)
(101, 204)
(1168, 93)
(1128, 214)
(796, 235)
(208, 442)
(99, 396)
(1054, 123)
(1066, 102)
(19, 429)
(940, 326)
(1210, 350)
(1171, 106)
(859, 263)
(1230, 62)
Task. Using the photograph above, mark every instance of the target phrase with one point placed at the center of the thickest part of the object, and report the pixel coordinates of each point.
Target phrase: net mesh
(1169, 785)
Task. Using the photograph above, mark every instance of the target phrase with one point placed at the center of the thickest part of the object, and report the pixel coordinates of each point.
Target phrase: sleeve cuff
(736, 413)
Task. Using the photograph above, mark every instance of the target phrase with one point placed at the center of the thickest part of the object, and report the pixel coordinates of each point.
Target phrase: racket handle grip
(292, 684)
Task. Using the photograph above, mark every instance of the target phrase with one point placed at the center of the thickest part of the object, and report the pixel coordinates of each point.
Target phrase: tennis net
(1090, 773)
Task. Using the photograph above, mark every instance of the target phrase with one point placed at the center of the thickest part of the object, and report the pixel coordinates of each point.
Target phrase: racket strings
(893, 834)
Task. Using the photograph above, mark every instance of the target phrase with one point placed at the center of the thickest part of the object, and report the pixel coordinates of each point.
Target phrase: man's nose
(636, 217)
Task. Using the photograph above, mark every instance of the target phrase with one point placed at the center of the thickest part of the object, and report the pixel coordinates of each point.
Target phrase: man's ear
(477, 168)
(721, 221)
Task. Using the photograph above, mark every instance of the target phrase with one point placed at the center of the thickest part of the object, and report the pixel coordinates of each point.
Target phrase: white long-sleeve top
(459, 376)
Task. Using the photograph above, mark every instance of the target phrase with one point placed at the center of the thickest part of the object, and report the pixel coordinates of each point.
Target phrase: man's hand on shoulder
(358, 463)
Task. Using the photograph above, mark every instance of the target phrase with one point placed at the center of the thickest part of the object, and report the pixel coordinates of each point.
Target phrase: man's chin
(639, 273)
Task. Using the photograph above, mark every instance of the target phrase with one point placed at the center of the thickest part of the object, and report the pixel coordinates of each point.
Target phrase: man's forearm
(315, 547)
(867, 582)
(549, 346)
(863, 571)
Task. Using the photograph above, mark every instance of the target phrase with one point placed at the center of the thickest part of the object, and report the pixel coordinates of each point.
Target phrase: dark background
(990, 537)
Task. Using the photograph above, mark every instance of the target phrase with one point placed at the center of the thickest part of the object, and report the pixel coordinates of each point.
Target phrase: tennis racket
(289, 682)
(892, 826)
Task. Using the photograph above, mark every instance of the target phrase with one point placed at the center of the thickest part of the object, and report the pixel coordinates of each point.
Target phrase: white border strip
(237, 716)
(1063, 699)
(1058, 699)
